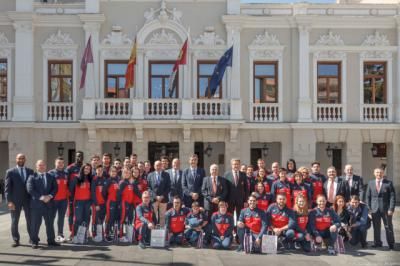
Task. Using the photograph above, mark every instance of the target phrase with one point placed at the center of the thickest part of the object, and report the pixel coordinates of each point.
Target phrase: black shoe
(376, 246)
(364, 245)
(15, 244)
(35, 246)
(391, 247)
(239, 249)
(53, 243)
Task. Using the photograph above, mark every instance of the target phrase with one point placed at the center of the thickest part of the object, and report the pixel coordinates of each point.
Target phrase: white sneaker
(58, 239)
(75, 240)
(123, 239)
(61, 239)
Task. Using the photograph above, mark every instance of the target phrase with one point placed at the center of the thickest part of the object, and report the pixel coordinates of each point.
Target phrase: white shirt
(23, 170)
(334, 188)
(349, 180)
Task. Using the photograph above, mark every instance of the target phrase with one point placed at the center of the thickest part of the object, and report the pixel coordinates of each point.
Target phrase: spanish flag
(180, 61)
(130, 69)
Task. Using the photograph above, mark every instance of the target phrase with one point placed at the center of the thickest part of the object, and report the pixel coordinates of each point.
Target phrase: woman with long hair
(300, 187)
(81, 193)
(291, 169)
(262, 178)
(302, 234)
(263, 198)
(340, 208)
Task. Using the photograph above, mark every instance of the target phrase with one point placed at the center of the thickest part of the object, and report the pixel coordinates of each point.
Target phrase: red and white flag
(180, 61)
(87, 59)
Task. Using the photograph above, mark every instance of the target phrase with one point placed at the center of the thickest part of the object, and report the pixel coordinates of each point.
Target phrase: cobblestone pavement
(105, 254)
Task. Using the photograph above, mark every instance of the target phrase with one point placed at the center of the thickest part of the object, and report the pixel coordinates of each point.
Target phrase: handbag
(200, 240)
(269, 243)
(248, 242)
(158, 237)
(99, 233)
(130, 233)
(81, 234)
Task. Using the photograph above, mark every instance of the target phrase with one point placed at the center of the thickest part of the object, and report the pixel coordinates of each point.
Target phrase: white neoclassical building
(308, 81)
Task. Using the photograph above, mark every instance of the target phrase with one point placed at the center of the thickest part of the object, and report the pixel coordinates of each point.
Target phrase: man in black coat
(192, 181)
(175, 175)
(17, 196)
(214, 190)
(381, 199)
(42, 187)
(238, 188)
(159, 186)
(354, 183)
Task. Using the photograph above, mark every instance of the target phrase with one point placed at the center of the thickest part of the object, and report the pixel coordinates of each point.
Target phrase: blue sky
(288, 1)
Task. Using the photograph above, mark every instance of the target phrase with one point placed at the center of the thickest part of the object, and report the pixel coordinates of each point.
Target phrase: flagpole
(230, 69)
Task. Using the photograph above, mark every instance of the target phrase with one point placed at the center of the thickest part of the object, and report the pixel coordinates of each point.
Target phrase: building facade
(308, 81)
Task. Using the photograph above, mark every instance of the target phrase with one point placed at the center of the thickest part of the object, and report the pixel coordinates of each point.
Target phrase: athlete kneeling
(222, 227)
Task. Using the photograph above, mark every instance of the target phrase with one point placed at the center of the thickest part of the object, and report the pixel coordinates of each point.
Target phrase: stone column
(23, 101)
(305, 103)
(304, 147)
(140, 145)
(186, 147)
(397, 88)
(354, 146)
(396, 162)
(233, 75)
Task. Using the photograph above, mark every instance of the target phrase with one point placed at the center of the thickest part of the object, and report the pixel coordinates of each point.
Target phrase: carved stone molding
(376, 55)
(330, 54)
(162, 53)
(59, 53)
(116, 37)
(265, 40)
(59, 39)
(209, 37)
(115, 53)
(330, 39)
(266, 54)
(5, 46)
(59, 45)
(163, 14)
(204, 54)
(376, 39)
(163, 38)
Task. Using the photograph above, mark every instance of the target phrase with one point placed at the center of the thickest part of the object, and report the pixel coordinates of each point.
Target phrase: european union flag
(219, 71)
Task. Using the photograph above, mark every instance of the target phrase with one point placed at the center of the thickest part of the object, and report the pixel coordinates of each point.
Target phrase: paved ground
(131, 255)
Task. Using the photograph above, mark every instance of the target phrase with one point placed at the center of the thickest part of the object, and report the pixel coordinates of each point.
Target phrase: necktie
(331, 191)
(378, 185)
(158, 178)
(194, 173)
(22, 174)
(236, 178)
(44, 181)
(214, 185)
(175, 177)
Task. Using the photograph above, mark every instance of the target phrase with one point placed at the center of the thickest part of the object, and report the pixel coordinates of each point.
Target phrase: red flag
(180, 61)
(86, 59)
(130, 69)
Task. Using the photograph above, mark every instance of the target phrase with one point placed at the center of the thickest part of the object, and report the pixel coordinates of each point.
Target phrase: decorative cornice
(116, 37)
(59, 39)
(3, 40)
(59, 45)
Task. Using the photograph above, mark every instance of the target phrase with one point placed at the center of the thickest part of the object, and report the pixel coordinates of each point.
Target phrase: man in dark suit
(192, 181)
(214, 190)
(354, 183)
(238, 188)
(17, 197)
(159, 186)
(175, 175)
(381, 199)
(42, 187)
(334, 186)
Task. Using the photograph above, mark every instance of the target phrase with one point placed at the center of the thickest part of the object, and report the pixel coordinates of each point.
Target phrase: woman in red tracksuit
(110, 194)
(263, 198)
(262, 177)
(80, 192)
(302, 233)
(99, 203)
(282, 186)
(300, 187)
(126, 193)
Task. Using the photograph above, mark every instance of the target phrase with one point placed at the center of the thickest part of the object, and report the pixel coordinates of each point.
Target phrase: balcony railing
(211, 109)
(4, 111)
(59, 112)
(376, 113)
(162, 108)
(113, 109)
(328, 113)
(264, 112)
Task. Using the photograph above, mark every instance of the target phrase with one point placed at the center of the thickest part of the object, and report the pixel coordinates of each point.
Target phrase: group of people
(302, 207)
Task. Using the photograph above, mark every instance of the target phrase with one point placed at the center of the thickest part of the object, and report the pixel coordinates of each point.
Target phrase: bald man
(17, 196)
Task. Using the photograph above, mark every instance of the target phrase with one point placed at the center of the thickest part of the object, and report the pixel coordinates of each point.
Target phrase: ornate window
(159, 74)
(115, 79)
(3, 80)
(205, 69)
(60, 81)
(375, 83)
(265, 82)
(329, 82)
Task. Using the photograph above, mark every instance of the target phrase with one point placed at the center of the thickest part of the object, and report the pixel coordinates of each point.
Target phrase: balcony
(211, 109)
(59, 112)
(328, 112)
(4, 111)
(376, 113)
(265, 112)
